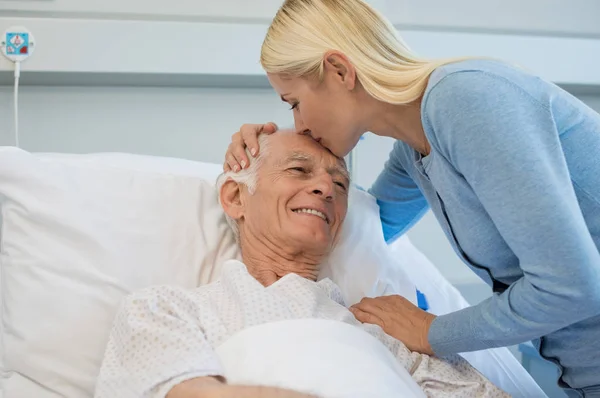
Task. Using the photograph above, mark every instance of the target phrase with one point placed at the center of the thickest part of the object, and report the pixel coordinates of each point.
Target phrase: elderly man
(287, 211)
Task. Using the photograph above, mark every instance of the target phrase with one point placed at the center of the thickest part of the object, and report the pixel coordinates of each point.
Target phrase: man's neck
(267, 261)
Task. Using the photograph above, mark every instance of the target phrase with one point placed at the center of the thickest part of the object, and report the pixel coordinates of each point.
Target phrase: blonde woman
(508, 163)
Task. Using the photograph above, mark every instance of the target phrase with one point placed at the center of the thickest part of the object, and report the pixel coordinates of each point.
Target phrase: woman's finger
(250, 133)
(230, 159)
(236, 157)
(366, 317)
(372, 305)
(240, 155)
(233, 164)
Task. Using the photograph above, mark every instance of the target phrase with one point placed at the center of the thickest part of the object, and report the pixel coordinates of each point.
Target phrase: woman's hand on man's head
(236, 158)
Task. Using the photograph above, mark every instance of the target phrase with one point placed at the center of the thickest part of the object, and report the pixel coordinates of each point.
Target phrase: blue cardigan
(513, 178)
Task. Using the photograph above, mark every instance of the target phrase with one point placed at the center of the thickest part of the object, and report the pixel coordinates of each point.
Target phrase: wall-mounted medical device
(17, 44)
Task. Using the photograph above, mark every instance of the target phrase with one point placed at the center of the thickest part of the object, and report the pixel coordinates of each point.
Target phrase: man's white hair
(247, 177)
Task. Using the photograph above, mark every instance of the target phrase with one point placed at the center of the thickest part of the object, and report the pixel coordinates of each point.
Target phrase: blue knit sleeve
(400, 200)
(505, 144)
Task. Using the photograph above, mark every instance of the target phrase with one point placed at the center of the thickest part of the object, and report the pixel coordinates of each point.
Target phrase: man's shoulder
(163, 296)
(332, 290)
(153, 295)
(172, 291)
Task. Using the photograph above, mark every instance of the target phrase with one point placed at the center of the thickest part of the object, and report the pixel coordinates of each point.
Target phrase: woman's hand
(236, 158)
(399, 318)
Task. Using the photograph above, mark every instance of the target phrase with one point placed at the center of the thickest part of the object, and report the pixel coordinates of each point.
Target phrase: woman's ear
(231, 199)
(339, 65)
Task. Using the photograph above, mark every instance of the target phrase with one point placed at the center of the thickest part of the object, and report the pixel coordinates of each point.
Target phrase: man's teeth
(311, 211)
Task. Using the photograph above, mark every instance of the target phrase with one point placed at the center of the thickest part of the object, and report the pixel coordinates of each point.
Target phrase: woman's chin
(341, 150)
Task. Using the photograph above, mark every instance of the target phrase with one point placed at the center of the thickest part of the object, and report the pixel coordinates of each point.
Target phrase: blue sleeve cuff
(452, 333)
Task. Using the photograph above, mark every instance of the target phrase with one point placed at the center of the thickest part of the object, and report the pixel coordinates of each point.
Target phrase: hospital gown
(164, 335)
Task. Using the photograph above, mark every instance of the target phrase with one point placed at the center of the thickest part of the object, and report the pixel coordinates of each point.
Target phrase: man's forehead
(299, 155)
(289, 146)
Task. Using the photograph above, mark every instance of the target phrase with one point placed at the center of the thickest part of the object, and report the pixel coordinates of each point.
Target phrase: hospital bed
(79, 232)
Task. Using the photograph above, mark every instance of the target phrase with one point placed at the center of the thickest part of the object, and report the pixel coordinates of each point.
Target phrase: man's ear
(231, 199)
(337, 64)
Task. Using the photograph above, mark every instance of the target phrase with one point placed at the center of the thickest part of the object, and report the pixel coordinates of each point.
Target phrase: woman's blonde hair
(304, 30)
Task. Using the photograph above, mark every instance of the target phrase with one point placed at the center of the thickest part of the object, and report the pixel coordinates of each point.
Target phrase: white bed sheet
(357, 365)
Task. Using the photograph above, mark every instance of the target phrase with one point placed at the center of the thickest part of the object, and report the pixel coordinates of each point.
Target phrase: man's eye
(298, 169)
(341, 184)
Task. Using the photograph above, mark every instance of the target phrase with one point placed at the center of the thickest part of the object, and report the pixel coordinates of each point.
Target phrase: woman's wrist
(427, 322)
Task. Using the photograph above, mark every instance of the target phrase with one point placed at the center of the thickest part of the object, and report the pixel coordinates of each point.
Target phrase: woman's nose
(299, 124)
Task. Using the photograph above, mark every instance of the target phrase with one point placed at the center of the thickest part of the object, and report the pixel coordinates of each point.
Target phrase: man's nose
(323, 186)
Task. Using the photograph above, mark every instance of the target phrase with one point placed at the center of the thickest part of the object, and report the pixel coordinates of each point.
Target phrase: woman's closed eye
(295, 106)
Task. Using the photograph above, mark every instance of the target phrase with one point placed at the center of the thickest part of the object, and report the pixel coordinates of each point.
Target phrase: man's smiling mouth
(313, 212)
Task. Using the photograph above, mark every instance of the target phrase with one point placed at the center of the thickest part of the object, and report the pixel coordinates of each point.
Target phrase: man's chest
(225, 312)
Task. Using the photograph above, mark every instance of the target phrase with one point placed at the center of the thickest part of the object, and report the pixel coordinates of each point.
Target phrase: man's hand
(265, 392)
(399, 318)
(195, 388)
(215, 387)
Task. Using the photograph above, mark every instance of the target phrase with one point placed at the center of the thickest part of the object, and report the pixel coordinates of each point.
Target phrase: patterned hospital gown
(165, 335)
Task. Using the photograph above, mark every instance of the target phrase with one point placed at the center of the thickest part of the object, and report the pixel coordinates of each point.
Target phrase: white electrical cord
(16, 104)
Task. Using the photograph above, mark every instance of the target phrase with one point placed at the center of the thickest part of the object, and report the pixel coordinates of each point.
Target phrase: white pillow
(81, 231)
(362, 264)
(78, 233)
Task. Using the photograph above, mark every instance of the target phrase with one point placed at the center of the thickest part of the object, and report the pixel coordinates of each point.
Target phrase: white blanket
(329, 358)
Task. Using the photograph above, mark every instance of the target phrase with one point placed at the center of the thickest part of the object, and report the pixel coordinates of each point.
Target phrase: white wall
(573, 17)
(192, 123)
(186, 39)
(592, 101)
(552, 17)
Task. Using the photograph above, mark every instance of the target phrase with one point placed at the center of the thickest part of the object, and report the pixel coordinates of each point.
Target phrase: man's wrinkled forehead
(337, 165)
(286, 146)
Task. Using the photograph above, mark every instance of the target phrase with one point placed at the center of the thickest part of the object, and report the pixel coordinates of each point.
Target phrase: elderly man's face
(301, 196)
